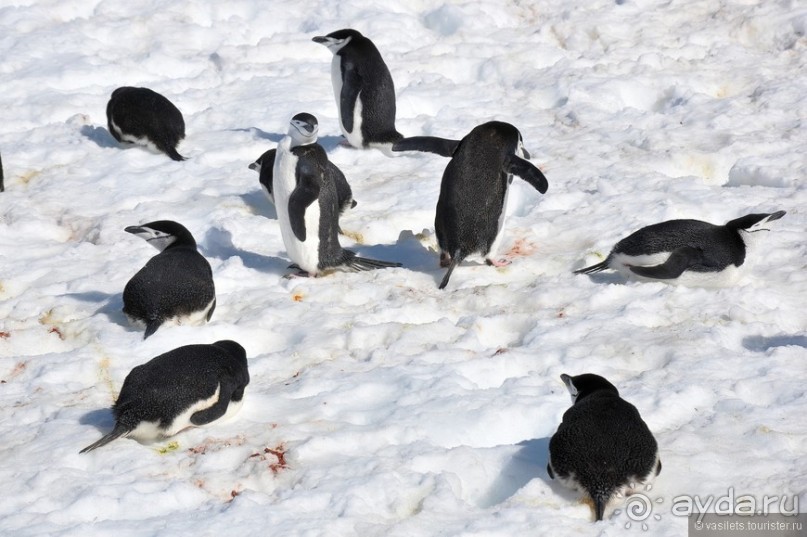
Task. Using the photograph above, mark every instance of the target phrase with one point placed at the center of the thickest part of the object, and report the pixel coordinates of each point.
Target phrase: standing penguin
(473, 192)
(175, 286)
(364, 91)
(189, 386)
(144, 117)
(265, 166)
(602, 447)
(306, 203)
(686, 252)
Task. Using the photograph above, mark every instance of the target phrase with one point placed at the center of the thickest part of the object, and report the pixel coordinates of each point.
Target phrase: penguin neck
(603, 392)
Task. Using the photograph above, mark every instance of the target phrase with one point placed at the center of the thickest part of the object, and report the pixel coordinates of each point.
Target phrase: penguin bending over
(686, 252)
(266, 164)
(144, 117)
(306, 203)
(189, 386)
(365, 94)
(602, 447)
(175, 286)
(473, 192)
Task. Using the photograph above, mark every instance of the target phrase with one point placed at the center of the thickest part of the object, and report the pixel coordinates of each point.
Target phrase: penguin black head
(336, 41)
(581, 386)
(751, 223)
(303, 129)
(163, 234)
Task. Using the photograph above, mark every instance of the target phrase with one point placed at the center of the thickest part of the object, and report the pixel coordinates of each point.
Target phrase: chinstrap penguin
(686, 252)
(189, 386)
(473, 193)
(365, 94)
(266, 164)
(144, 117)
(602, 447)
(175, 286)
(306, 203)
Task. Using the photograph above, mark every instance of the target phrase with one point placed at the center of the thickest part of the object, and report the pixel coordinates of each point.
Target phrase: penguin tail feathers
(117, 432)
(428, 144)
(171, 152)
(152, 327)
(600, 501)
(593, 268)
(363, 263)
(455, 260)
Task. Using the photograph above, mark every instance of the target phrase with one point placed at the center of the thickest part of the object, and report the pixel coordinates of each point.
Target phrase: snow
(378, 404)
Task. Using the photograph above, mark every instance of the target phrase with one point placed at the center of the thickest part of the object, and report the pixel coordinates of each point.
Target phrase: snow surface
(380, 406)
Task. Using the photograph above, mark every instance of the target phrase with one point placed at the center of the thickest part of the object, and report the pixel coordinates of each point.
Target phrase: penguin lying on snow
(365, 93)
(473, 192)
(189, 386)
(144, 117)
(602, 447)
(688, 252)
(266, 164)
(306, 203)
(175, 286)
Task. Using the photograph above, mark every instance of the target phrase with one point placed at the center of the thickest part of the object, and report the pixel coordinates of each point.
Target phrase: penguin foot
(345, 143)
(445, 259)
(497, 263)
(299, 274)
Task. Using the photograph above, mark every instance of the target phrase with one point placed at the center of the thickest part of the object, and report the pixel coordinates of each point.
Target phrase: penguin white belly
(355, 138)
(622, 263)
(497, 241)
(284, 181)
(149, 431)
(196, 318)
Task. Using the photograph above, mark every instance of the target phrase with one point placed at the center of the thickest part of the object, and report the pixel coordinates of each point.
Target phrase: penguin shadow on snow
(100, 136)
(528, 463)
(603, 278)
(218, 243)
(329, 143)
(262, 134)
(112, 306)
(257, 202)
(100, 418)
(764, 344)
(407, 250)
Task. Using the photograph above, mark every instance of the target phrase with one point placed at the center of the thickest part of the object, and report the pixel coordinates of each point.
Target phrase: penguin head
(163, 234)
(336, 41)
(751, 223)
(303, 129)
(581, 386)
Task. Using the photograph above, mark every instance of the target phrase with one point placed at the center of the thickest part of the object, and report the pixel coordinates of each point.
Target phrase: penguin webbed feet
(498, 263)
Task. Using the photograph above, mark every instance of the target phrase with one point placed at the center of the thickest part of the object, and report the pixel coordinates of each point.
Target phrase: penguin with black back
(687, 252)
(144, 117)
(190, 386)
(307, 205)
(473, 192)
(175, 286)
(265, 165)
(602, 447)
(365, 96)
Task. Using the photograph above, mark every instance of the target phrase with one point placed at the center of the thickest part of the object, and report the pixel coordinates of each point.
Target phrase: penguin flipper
(152, 327)
(117, 432)
(217, 410)
(211, 310)
(305, 194)
(526, 170)
(680, 260)
(351, 85)
(593, 268)
(2, 185)
(428, 144)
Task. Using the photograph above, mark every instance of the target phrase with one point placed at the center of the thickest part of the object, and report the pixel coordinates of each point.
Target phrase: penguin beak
(255, 166)
(135, 230)
(776, 216)
(322, 40)
(526, 153)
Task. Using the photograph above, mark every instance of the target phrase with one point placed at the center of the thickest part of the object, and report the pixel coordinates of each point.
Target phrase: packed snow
(379, 405)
